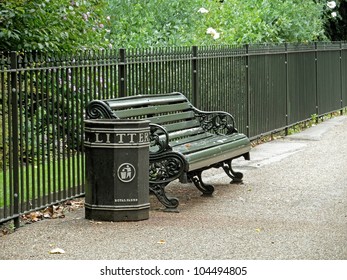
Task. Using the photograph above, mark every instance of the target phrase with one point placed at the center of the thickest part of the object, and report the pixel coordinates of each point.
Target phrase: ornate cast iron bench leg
(158, 190)
(196, 178)
(235, 176)
(163, 169)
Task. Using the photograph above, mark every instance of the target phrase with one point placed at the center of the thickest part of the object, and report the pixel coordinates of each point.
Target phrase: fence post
(341, 82)
(287, 88)
(14, 138)
(122, 89)
(316, 77)
(195, 78)
(248, 92)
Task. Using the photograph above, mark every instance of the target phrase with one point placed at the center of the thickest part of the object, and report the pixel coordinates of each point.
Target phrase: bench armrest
(98, 109)
(159, 139)
(217, 121)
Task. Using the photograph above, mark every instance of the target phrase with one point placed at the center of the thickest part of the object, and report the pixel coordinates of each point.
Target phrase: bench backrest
(173, 111)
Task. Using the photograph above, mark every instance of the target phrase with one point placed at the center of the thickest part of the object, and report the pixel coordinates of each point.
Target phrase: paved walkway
(292, 205)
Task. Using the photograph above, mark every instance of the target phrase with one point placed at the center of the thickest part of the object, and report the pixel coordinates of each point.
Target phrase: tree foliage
(258, 21)
(152, 22)
(76, 24)
(181, 22)
(335, 13)
(51, 24)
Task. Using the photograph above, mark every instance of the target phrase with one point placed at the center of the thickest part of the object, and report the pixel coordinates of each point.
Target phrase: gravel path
(292, 205)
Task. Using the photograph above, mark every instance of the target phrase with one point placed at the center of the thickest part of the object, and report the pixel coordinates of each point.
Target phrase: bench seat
(200, 152)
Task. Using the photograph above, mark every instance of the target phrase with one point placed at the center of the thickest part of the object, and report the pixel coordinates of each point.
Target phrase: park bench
(184, 141)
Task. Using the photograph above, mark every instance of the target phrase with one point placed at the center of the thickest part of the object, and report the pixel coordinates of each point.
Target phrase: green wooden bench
(185, 141)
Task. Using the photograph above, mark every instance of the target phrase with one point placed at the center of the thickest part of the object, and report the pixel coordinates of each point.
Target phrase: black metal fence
(42, 99)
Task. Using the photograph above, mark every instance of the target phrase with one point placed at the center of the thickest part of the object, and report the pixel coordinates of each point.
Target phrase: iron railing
(42, 99)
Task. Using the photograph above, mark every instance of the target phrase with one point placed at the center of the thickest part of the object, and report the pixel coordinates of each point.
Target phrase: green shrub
(52, 24)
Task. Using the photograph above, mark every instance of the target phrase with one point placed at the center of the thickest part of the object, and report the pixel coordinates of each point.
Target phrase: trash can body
(117, 160)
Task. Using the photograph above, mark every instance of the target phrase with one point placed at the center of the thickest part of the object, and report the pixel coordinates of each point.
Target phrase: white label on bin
(126, 172)
(117, 200)
(103, 138)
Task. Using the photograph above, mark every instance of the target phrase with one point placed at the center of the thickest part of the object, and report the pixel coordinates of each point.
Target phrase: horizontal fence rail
(43, 97)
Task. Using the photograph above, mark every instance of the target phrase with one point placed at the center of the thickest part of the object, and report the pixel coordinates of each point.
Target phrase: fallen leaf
(48, 212)
(35, 216)
(258, 230)
(57, 251)
(68, 202)
(94, 222)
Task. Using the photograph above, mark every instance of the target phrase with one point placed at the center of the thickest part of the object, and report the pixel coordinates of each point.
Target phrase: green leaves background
(80, 24)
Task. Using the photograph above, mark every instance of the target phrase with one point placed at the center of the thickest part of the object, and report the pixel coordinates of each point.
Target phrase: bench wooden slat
(164, 119)
(186, 133)
(151, 110)
(208, 142)
(182, 125)
(144, 100)
(182, 139)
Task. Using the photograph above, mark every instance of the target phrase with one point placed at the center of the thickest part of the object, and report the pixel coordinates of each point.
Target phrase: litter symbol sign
(126, 172)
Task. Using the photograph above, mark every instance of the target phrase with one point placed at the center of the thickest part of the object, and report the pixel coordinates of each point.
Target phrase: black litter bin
(117, 160)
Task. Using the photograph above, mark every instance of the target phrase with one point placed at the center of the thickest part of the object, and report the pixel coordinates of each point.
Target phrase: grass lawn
(64, 176)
